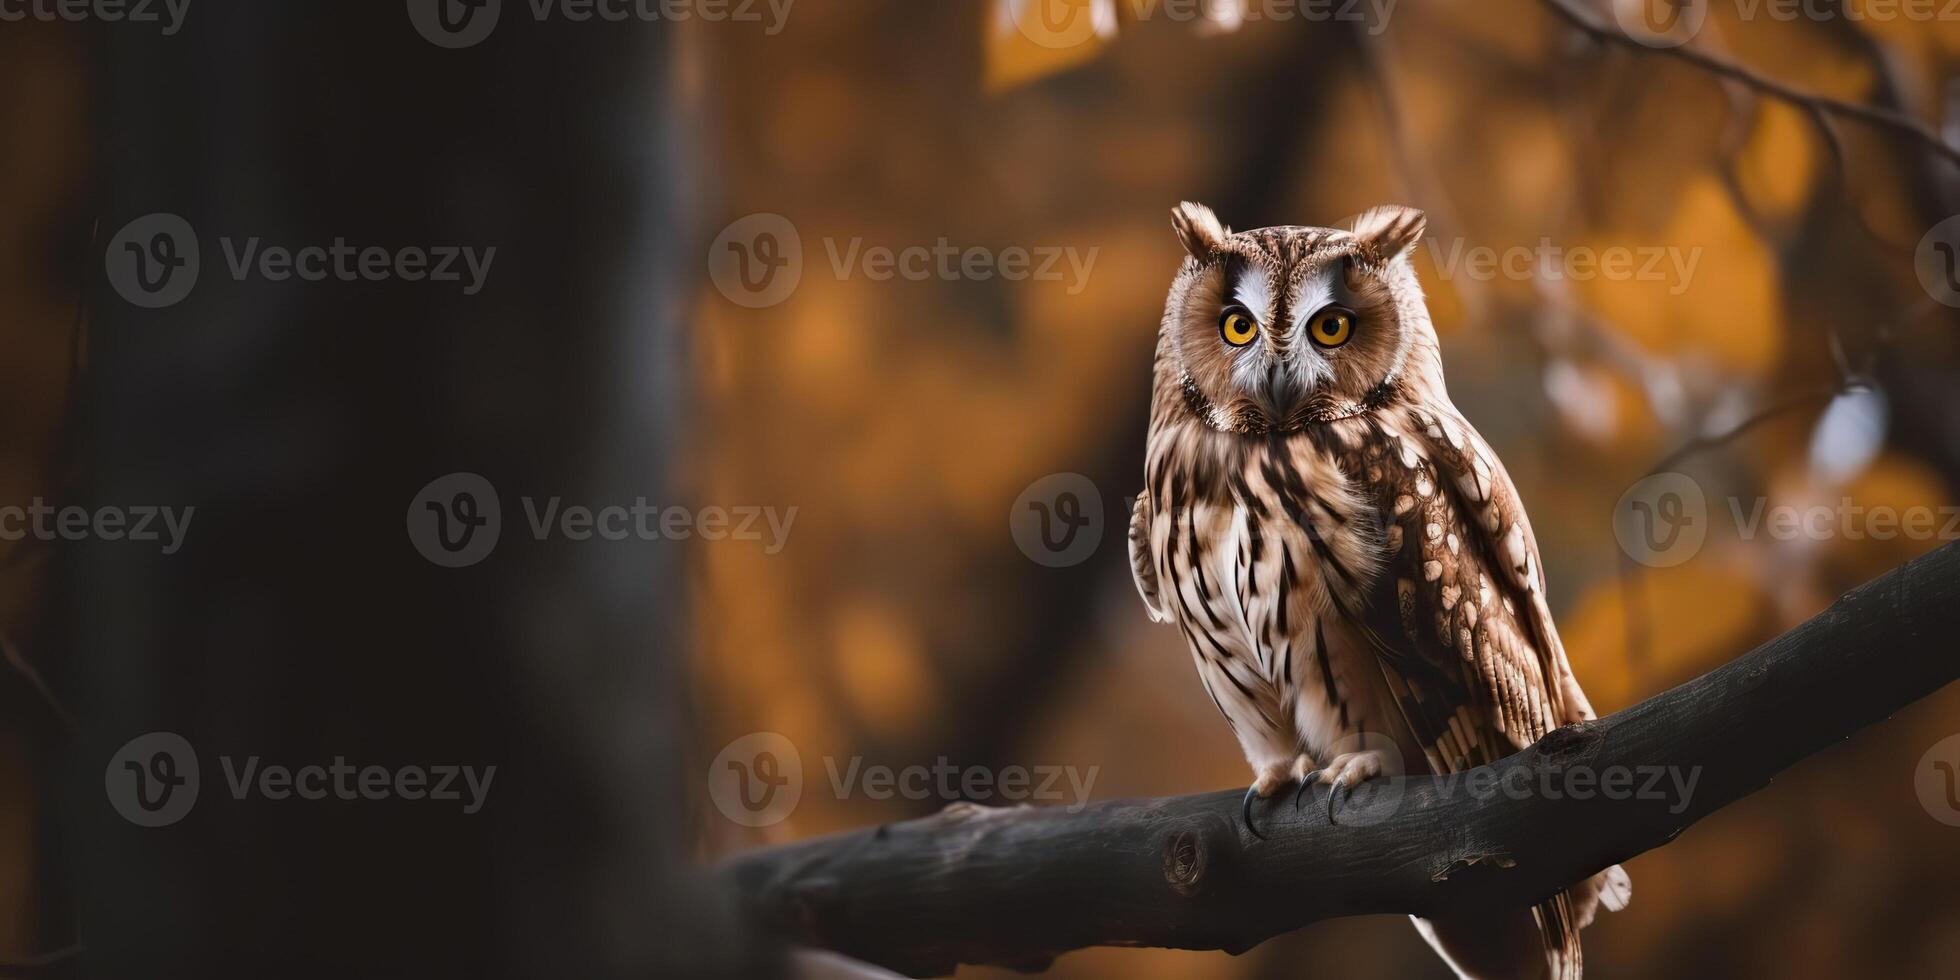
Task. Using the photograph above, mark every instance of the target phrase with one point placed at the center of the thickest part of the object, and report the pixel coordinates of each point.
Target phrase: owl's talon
(1334, 792)
(1251, 793)
(1306, 783)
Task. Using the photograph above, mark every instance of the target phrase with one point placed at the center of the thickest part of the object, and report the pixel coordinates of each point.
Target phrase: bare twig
(1633, 601)
(1703, 443)
(1819, 106)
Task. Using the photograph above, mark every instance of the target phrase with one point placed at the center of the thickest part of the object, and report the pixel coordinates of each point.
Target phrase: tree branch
(1017, 887)
(1820, 107)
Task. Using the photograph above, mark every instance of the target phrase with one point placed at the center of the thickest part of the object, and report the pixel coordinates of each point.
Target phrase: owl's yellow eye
(1237, 327)
(1331, 327)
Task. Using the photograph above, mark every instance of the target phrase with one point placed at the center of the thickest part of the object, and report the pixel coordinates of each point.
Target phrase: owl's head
(1278, 328)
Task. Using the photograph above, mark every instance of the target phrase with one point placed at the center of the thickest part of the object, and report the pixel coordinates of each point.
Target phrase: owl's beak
(1281, 392)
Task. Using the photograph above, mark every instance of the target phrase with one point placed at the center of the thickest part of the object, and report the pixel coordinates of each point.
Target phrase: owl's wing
(1459, 616)
(1142, 565)
(1459, 609)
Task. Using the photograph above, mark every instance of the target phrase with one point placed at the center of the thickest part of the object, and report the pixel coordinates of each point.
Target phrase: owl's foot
(1251, 792)
(1305, 772)
(1344, 773)
(1268, 782)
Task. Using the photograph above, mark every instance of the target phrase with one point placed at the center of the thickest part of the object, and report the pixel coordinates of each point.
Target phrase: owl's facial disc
(1301, 321)
(1275, 329)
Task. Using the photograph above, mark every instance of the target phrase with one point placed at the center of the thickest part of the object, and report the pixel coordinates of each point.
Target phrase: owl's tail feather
(1558, 925)
(1507, 944)
(1541, 943)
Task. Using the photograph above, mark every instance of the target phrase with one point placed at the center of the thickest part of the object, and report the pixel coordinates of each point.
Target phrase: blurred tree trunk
(298, 624)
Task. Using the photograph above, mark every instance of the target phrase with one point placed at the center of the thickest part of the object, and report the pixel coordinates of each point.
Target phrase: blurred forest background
(902, 624)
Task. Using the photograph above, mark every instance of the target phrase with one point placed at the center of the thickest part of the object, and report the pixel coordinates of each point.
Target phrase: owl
(1347, 559)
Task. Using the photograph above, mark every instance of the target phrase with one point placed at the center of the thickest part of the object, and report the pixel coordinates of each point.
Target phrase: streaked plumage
(1344, 554)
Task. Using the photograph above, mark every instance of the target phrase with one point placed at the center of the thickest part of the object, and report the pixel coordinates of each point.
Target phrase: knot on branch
(1571, 743)
(1752, 676)
(1187, 856)
(966, 811)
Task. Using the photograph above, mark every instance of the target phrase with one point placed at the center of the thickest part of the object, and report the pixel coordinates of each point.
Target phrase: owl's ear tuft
(1390, 231)
(1198, 229)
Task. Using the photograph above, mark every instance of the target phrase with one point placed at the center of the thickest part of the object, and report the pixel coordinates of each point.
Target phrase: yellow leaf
(1801, 51)
(1706, 288)
(1779, 163)
(1899, 516)
(1697, 615)
(880, 667)
(1031, 39)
